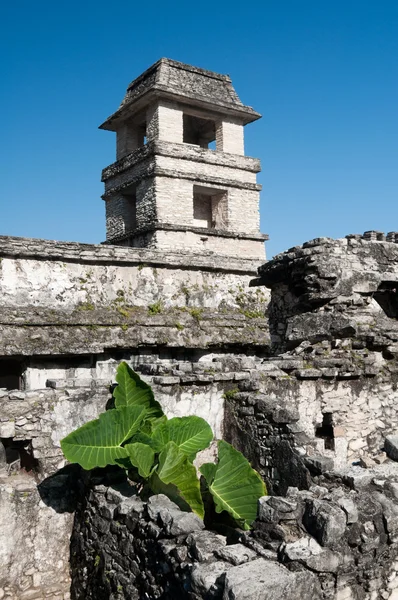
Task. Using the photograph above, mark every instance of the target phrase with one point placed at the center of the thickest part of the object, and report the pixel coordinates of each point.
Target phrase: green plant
(230, 394)
(252, 314)
(159, 452)
(85, 306)
(196, 313)
(179, 326)
(156, 308)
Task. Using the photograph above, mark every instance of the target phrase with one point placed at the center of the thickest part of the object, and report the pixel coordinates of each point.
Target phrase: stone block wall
(204, 241)
(67, 275)
(174, 201)
(164, 122)
(37, 488)
(34, 540)
(120, 214)
(37, 494)
(165, 174)
(336, 541)
(229, 137)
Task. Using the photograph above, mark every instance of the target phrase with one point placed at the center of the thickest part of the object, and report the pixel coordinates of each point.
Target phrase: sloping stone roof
(182, 82)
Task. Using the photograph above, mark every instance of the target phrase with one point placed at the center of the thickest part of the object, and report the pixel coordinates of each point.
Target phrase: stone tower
(181, 180)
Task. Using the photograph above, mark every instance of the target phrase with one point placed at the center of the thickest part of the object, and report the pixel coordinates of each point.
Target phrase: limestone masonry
(294, 361)
(167, 188)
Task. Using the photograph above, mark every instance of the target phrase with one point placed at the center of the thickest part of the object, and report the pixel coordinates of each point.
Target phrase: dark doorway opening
(325, 431)
(387, 297)
(19, 455)
(11, 374)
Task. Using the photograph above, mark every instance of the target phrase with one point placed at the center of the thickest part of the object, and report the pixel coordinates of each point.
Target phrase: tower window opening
(141, 134)
(209, 208)
(199, 132)
(130, 201)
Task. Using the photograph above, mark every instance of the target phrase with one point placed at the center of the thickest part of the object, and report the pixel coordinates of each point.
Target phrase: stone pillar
(128, 138)
(3, 460)
(229, 137)
(164, 123)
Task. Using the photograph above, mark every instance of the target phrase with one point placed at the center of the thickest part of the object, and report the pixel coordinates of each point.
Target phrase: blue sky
(324, 75)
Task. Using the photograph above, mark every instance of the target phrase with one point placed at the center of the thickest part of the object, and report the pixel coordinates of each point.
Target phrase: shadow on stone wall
(61, 490)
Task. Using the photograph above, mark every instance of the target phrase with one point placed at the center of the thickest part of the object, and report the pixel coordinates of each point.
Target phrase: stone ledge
(154, 171)
(39, 249)
(184, 152)
(260, 237)
(80, 339)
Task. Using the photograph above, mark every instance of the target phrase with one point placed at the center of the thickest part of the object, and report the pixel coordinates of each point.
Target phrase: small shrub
(156, 308)
(85, 306)
(230, 394)
(196, 313)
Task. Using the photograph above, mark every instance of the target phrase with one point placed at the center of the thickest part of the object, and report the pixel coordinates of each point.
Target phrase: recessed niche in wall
(387, 297)
(130, 198)
(325, 431)
(209, 207)
(11, 374)
(19, 455)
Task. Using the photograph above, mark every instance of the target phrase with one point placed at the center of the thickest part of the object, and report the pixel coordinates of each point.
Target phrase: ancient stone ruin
(294, 361)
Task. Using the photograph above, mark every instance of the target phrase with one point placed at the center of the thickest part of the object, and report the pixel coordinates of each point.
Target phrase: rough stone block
(312, 555)
(236, 554)
(319, 464)
(391, 446)
(325, 521)
(266, 580)
(265, 511)
(204, 544)
(208, 576)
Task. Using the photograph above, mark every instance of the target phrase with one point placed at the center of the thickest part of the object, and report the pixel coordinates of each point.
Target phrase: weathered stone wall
(334, 335)
(164, 122)
(205, 241)
(66, 298)
(124, 548)
(321, 394)
(230, 137)
(37, 488)
(37, 495)
(34, 539)
(336, 541)
(66, 274)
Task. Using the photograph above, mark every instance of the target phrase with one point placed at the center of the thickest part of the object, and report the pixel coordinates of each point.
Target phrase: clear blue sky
(323, 73)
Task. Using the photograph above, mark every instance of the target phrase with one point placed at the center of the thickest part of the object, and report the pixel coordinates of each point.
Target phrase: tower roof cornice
(180, 82)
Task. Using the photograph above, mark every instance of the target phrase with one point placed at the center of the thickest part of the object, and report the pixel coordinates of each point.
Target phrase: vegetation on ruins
(159, 452)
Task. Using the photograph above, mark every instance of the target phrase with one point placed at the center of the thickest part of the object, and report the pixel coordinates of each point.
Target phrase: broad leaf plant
(138, 436)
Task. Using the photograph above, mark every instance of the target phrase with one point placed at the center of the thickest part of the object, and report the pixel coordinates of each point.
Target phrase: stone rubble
(338, 539)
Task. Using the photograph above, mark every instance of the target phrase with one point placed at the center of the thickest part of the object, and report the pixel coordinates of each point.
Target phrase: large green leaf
(175, 468)
(151, 424)
(190, 434)
(234, 485)
(99, 443)
(141, 456)
(168, 489)
(208, 471)
(131, 390)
